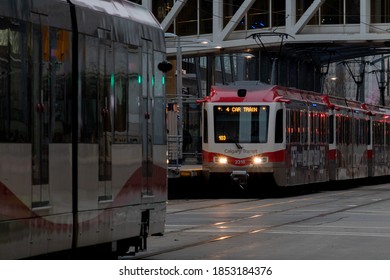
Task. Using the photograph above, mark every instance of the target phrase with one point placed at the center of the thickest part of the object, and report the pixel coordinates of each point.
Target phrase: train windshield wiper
(238, 145)
(234, 140)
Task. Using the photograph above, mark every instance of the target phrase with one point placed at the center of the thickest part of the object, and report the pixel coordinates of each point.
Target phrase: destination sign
(239, 109)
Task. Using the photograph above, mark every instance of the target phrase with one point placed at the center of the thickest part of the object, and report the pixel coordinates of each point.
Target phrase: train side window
(58, 86)
(118, 83)
(304, 129)
(287, 127)
(368, 132)
(134, 92)
(342, 129)
(312, 127)
(348, 131)
(14, 93)
(294, 127)
(205, 127)
(387, 133)
(279, 126)
(159, 102)
(331, 129)
(297, 127)
(90, 88)
(378, 133)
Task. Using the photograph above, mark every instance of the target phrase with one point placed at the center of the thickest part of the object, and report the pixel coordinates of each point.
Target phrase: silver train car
(258, 136)
(82, 127)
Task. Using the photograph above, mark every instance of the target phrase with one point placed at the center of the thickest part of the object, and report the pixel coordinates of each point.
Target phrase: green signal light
(139, 79)
(112, 81)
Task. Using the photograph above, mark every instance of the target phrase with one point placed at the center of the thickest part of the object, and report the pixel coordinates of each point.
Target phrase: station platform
(184, 171)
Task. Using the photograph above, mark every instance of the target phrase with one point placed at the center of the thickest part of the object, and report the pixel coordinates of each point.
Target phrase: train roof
(261, 92)
(116, 20)
(258, 92)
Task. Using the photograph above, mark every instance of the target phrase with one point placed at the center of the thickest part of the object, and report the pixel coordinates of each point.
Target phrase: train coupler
(239, 178)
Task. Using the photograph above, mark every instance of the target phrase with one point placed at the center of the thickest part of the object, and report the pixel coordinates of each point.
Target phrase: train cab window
(241, 124)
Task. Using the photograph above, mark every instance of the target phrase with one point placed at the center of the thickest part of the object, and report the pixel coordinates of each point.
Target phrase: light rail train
(82, 127)
(258, 135)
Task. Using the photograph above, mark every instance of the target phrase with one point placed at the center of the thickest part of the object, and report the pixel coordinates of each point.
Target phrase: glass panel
(90, 87)
(161, 8)
(230, 7)
(331, 129)
(60, 68)
(133, 117)
(186, 21)
(380, 11)
(205, 127)
(236, 67)
(159, 76)
(332, 12)
(40, 95)
(278, 13)
(206, 16)
(302, 6)
(352, 10)
(241, 124)
(279, 126)
(106, 88)
(120, 92)
(14, 100)
(159, 129)
(4, 85)
(258, 15)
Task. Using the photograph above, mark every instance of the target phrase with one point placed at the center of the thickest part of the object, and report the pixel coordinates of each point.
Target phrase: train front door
(146, 117)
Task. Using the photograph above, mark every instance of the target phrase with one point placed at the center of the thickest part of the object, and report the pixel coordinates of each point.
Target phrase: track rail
(367, 196)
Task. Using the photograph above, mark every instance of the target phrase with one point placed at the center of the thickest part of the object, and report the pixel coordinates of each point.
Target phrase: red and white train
(253, 132)
(82, 127)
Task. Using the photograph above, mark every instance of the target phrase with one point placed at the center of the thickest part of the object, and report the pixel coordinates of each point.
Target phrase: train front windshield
(241, 124)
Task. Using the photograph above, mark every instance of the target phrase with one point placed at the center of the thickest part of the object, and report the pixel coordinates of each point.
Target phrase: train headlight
(221, 160)
(260, 160)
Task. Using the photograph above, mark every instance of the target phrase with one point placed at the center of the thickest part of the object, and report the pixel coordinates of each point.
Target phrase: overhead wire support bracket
(257, 37)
